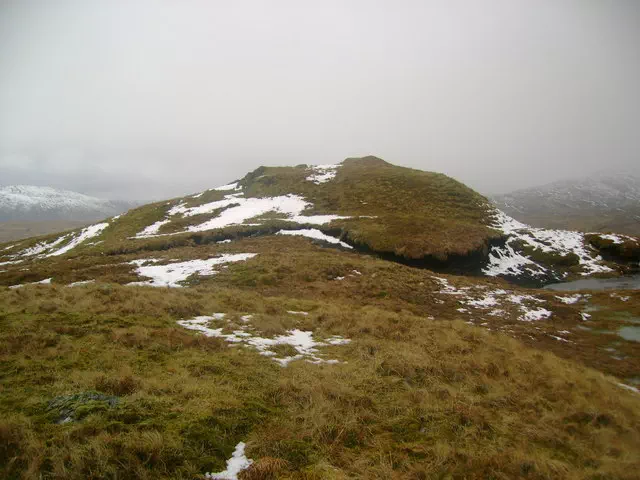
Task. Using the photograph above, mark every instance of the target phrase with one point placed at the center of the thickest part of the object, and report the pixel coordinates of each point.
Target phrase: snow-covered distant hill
(32, 203)
(601, 202)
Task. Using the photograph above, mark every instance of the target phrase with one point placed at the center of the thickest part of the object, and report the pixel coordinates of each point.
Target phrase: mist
(153, 99)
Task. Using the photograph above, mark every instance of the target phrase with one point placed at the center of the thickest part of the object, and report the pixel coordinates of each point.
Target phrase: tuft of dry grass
(266, 468)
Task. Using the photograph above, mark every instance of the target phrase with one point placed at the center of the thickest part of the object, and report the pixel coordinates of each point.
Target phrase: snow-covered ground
(322, 173)
(508, 260)
(494, 302)
(10, 262)
(84, 235)
(61, 245)
(235, 209)
(172, 274)
(631, 388)
(304, 343)
(570, 299)
(79, 284)
(235, 465)
(46, 281)
(316, 235)
(40, 248)
(230, 186)
(152, 229)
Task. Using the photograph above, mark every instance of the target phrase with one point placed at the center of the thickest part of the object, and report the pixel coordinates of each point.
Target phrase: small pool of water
(630, 333)
(618, 283)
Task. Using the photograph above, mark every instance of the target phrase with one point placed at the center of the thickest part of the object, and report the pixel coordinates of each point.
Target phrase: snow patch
(507, 261)
(41, 247)
(571, 299)
(238, 210)
(449, 289)
(230, 186)
(44, 249)
(10, 262)
(84, 235)
(303, 342)
(622, 298)
(322, 173)
(535, 314)
(46, 281)
(152, 229)
(617, 239)
(486, 302)
(172, 274)
(629, 387)
(235, 465)
(78, 284)
(234, 209)
(494, 300)
(316, 235)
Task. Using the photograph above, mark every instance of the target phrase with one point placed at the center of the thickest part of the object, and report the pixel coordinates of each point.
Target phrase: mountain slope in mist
(35, 203)
(602, 202)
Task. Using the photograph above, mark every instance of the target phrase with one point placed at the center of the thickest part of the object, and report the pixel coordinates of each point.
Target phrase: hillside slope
(419, 218)
(601, 203)
(32, 203)
(264, 320)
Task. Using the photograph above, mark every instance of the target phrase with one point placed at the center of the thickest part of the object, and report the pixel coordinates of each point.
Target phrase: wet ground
(618, 283)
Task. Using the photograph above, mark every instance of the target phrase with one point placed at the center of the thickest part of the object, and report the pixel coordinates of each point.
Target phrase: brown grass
(412, 399)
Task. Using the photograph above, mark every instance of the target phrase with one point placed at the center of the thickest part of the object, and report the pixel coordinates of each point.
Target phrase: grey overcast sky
(152, 99)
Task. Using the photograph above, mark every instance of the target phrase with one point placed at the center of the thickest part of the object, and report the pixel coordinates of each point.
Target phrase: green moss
(77, 406)
(554, 259)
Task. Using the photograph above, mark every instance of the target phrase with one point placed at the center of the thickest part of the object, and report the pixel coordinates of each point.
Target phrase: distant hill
(28, 203)
(601, 203)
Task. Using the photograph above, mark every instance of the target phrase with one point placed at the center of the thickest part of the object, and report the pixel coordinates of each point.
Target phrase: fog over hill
(167, 98)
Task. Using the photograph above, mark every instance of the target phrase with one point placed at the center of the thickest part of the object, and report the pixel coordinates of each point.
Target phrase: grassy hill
(328, 361)
(391, 209)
